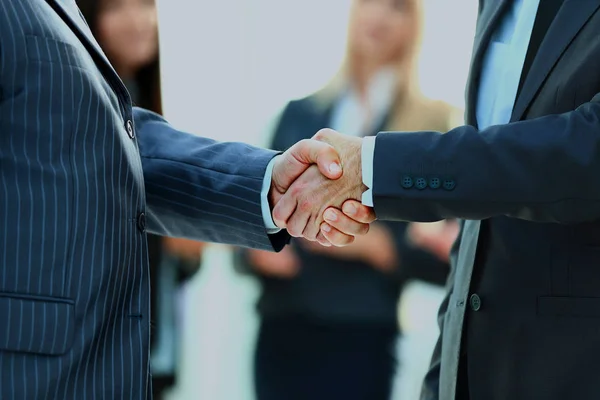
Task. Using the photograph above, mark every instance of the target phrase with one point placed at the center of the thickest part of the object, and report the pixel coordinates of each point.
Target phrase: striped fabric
(83, 175)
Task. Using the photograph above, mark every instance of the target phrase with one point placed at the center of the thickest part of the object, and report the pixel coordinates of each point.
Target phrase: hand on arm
(185, 249)
(436, 237)
(376, 248)
(284, 264)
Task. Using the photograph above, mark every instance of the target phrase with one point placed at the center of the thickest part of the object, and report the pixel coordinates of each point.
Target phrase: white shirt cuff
(367, 155)
(264, 198)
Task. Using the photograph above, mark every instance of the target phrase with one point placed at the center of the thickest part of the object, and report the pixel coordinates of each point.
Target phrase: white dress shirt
(351, 117)
(500, 75)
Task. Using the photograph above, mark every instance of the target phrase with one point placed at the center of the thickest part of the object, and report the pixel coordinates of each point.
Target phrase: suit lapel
(486, 24)
(569, 20)
(69, 12)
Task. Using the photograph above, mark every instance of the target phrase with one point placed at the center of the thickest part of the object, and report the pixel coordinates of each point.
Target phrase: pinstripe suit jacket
(82, 176)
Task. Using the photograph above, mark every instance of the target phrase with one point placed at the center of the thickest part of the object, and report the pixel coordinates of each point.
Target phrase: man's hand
(302, 200)
(296, 160)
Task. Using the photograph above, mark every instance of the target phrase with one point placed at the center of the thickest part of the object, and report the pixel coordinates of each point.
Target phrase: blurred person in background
(329, 315)
(127, 31)
(436, 237)
(521, 318)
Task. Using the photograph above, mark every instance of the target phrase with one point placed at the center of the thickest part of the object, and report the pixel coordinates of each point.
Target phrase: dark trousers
(299, 360)
(462, 380)
(160, 385)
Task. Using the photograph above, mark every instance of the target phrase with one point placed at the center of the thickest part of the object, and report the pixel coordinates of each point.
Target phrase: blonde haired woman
(328, 315)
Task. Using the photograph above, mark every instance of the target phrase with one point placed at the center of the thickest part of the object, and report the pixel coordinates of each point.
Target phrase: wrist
(355, 160)
(271, 196)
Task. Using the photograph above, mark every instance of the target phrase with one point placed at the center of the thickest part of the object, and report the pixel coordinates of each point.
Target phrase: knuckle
(297, 190)
(364, 229)
(294, 230)
(302, 143)
(305, 205)
(278, 216)
(323, 134)
(319, 135)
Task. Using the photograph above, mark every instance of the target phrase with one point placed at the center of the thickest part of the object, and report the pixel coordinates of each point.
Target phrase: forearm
(201, 189)
(537, 170)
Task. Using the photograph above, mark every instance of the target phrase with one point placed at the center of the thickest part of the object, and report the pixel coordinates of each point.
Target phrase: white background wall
(228, 67)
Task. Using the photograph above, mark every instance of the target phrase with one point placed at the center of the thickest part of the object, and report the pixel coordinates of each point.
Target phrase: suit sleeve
(542, 170)
(277, 142)
(431, 383)
(201, 189)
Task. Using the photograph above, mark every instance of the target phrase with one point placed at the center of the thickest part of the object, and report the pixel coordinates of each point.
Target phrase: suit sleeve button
(421, 183)
(449, 184)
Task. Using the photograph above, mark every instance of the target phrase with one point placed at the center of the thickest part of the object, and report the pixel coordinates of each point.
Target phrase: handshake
(316, 189)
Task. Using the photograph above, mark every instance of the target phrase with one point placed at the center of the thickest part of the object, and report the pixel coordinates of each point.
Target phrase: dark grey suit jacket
(522, 318)
(83, 176)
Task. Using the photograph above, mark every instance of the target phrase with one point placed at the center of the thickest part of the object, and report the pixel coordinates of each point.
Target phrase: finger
(322, 240)
(286, 205)
(359, 212)
(327, 135)
(335, 237)
(308, 152)
(344, 224)
(297, 222)
(311, 230)
(313, 226)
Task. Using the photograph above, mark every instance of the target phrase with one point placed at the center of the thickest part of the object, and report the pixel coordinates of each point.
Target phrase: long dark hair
(147, 79)
(147, 82)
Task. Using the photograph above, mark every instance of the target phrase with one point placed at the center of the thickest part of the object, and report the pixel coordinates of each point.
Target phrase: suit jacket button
(141, 222)
(130, 131)
(475, 302)
(407, 182)
(449, 184)
(434, 183)
(420, 183)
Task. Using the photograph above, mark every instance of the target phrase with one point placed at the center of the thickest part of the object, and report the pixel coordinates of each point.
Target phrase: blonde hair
(410, 111)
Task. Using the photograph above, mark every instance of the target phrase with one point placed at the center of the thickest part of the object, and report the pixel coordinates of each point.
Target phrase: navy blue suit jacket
(83, 176)
(522, 318)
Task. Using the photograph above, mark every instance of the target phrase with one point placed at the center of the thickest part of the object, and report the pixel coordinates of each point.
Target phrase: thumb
(307, 152)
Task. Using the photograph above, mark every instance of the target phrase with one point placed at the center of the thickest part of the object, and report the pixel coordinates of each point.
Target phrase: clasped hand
(316, 189)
